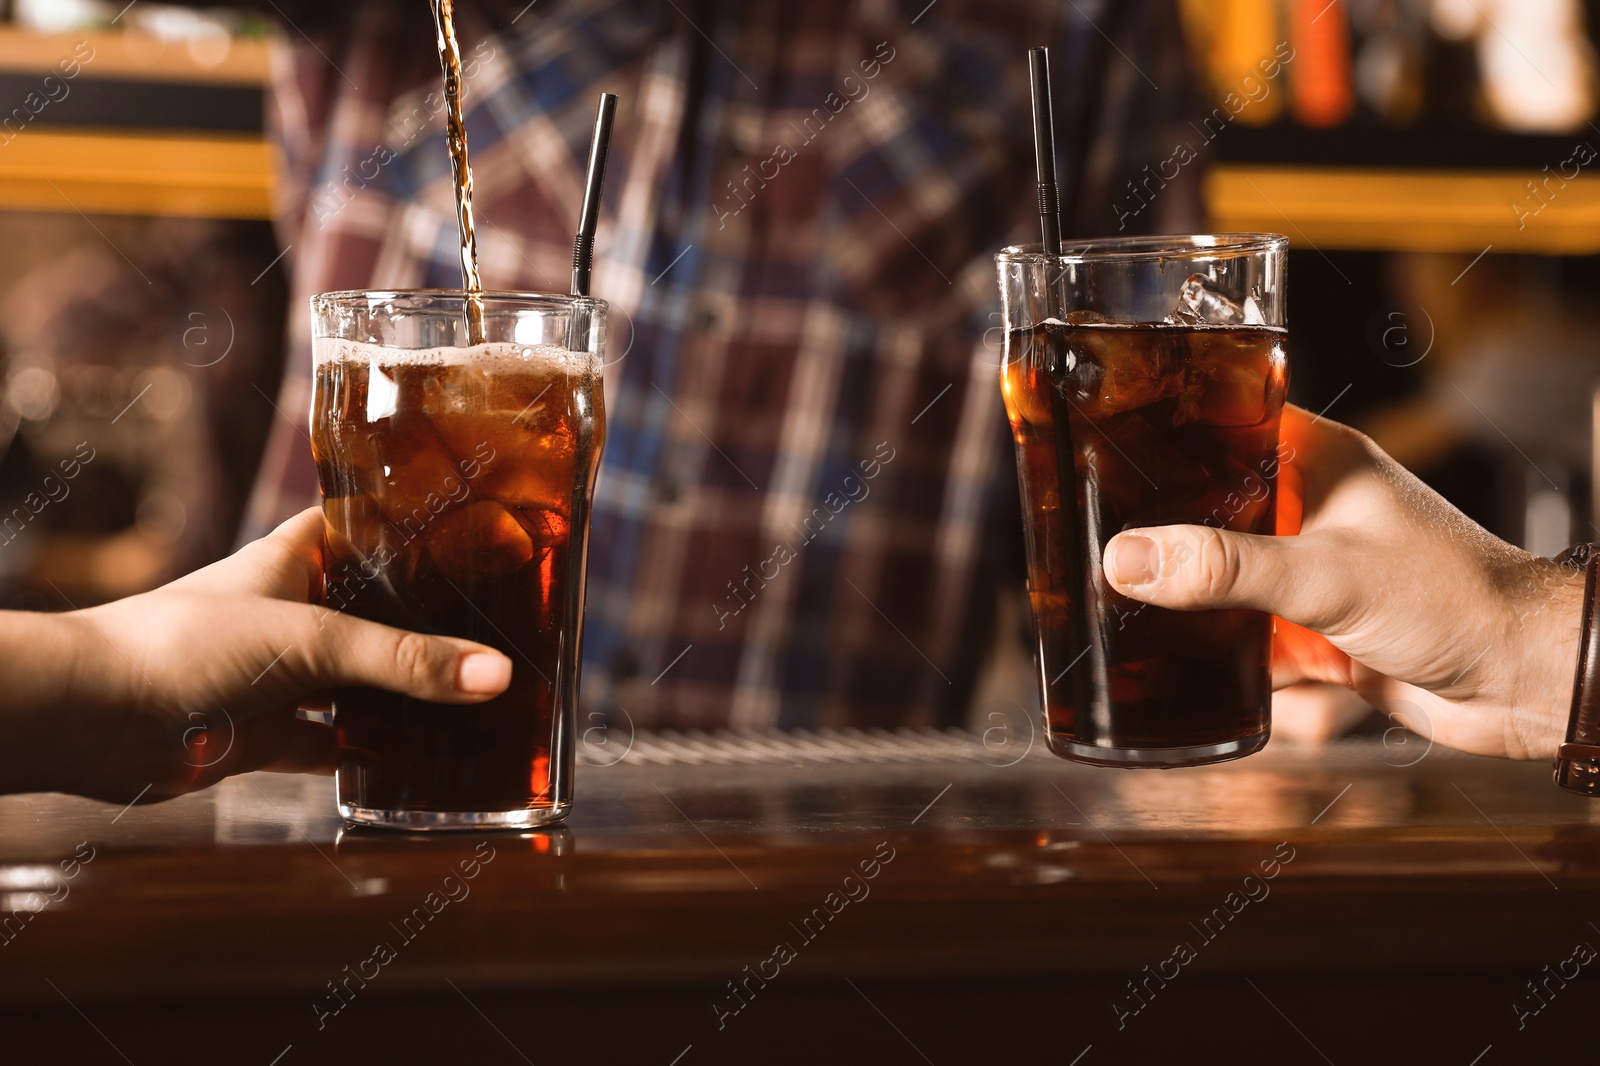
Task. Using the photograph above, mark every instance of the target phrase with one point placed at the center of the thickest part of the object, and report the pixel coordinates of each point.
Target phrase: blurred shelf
(209, 175)
(1387, 209)
(136, 125)
(1427, 146)
(133, 55)
(189, 175)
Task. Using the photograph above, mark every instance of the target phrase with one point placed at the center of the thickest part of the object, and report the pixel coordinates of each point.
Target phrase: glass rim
(505, 299)
(1164, 246)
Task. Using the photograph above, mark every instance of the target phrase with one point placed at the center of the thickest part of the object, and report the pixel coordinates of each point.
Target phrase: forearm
(45, 660)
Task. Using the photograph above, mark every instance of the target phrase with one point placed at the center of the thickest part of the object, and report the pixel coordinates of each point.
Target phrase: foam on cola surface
(495, 356)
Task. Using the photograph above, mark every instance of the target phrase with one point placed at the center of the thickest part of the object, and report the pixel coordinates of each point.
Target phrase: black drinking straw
(583, 243)
(1089, 687)
(1044, 150)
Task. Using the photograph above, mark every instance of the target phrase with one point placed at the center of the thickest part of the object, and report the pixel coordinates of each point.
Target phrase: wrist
(1548, 647)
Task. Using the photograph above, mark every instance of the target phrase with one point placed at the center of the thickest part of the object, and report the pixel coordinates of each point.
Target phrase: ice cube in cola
(1202, 301)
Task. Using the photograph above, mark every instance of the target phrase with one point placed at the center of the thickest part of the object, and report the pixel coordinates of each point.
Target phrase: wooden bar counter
(838, 897)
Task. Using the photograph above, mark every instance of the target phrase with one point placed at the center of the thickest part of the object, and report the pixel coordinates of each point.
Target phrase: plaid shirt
(807, 498)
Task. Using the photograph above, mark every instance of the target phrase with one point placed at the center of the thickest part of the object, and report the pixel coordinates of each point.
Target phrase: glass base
(427, 821)
(1158, 758)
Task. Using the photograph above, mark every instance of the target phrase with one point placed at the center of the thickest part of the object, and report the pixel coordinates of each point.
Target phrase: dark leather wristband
(1578, 760)
(1577, 557)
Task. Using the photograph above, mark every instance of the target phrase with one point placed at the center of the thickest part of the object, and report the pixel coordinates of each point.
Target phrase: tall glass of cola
(1144, 379)
(456, 481)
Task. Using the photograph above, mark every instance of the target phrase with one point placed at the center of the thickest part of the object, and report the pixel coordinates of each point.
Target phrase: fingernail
(1133, 560)
(483, 673)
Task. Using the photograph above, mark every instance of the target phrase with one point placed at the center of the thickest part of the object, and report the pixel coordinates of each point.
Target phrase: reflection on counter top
(1003, 881)
(783, 788)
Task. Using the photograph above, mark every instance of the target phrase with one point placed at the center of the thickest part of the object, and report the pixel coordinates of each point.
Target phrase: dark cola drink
(455, 126)
(455, 487)
(1122, 426)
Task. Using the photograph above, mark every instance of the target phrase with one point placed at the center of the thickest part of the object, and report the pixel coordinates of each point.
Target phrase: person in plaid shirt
(806, 509)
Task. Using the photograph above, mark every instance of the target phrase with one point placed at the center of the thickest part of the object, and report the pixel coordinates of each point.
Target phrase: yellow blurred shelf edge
(1407, 210)
(1327, 208)
(191, 176)
(138, 56)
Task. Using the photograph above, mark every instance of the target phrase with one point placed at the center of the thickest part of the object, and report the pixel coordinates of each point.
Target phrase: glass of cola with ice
(456, 480)
(1144, 379)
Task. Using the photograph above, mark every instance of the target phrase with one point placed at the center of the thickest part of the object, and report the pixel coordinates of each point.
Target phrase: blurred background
(1432, 162)
(139, 292)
